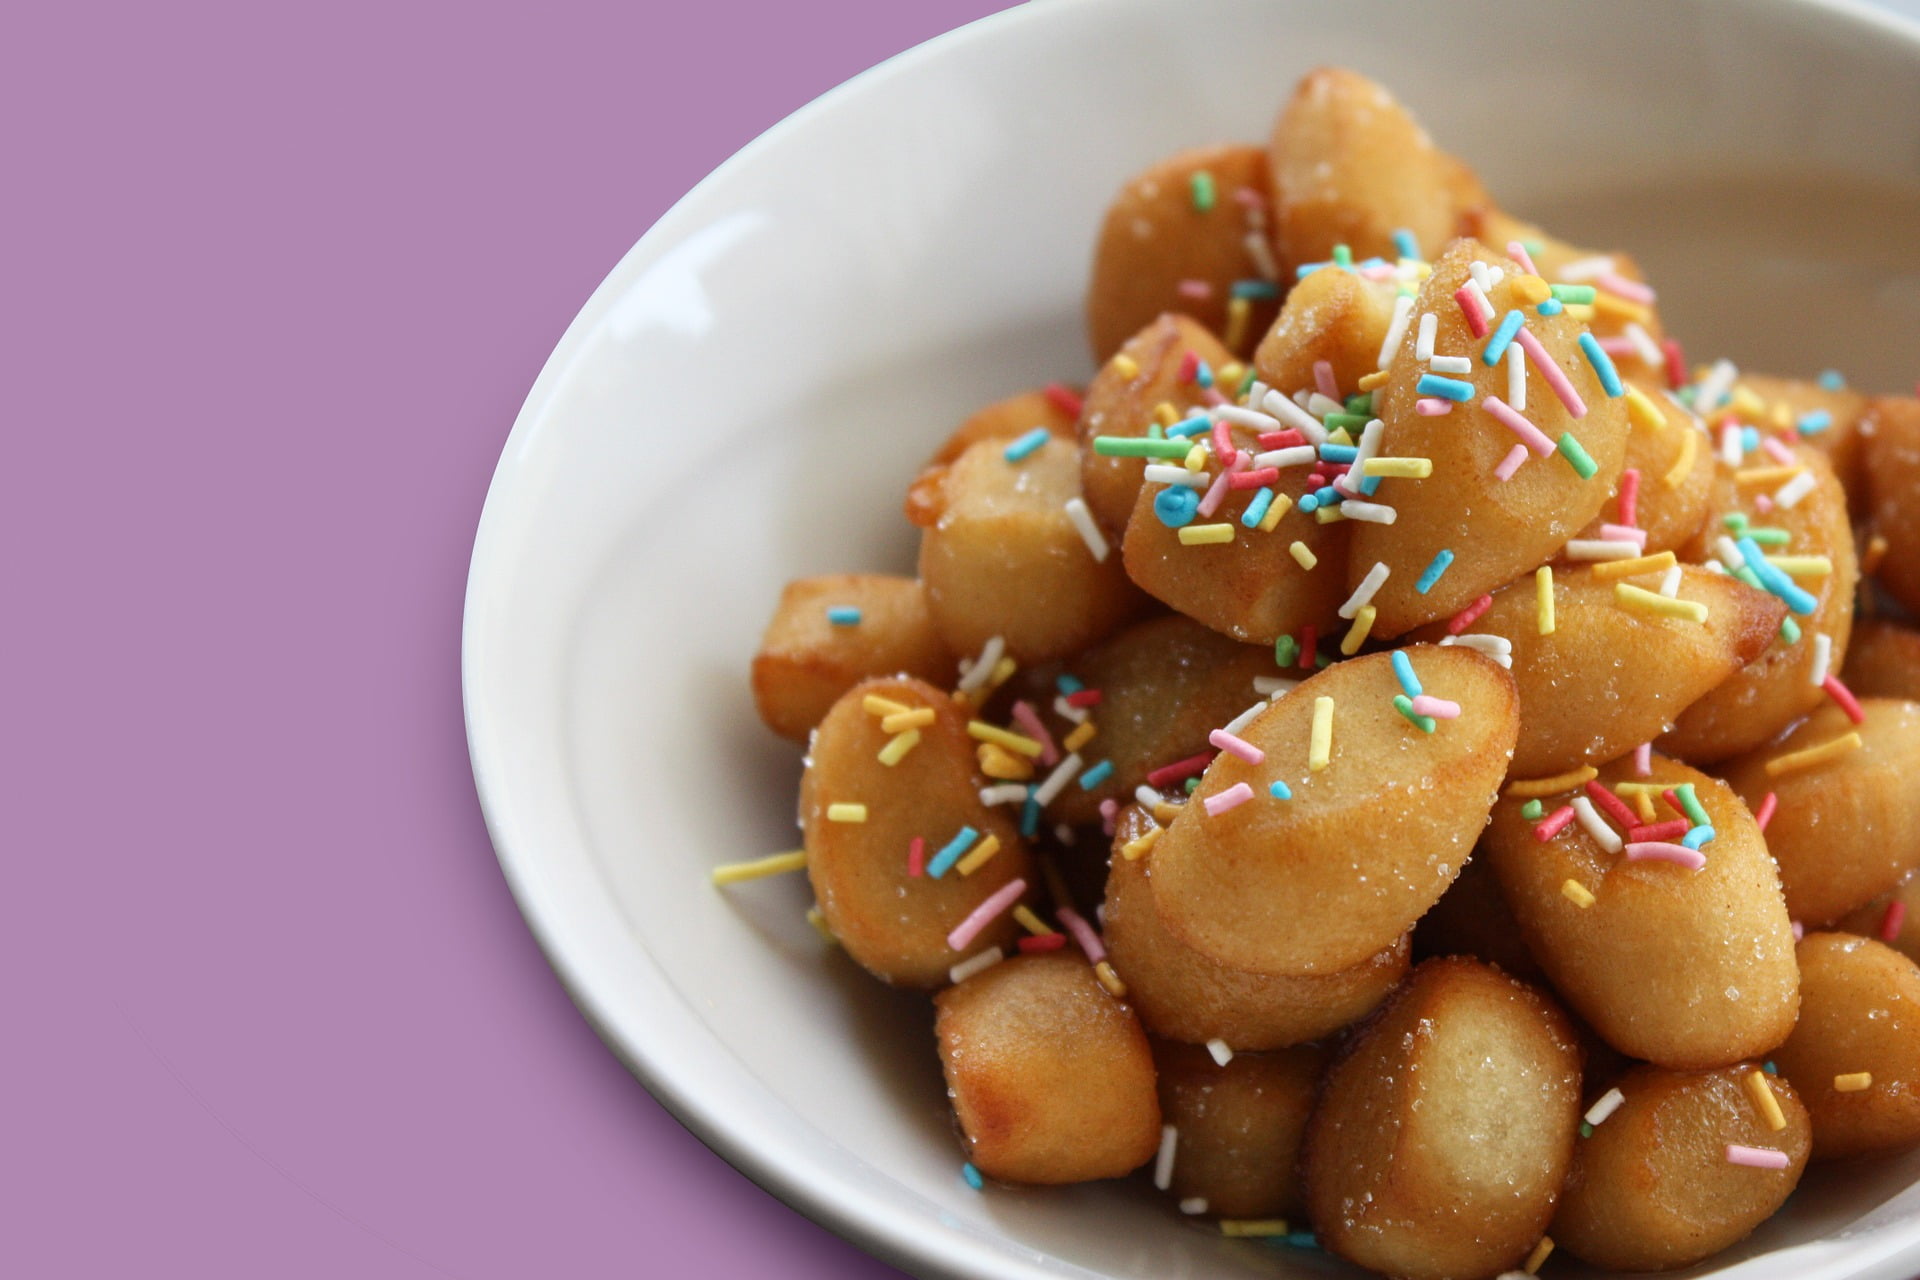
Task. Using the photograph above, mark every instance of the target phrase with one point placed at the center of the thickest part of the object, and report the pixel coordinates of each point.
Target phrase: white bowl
(744, 397)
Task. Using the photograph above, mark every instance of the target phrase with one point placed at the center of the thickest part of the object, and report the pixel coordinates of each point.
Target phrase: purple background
(276, 283)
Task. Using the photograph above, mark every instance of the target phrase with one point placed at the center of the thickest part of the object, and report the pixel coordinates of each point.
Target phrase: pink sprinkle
(1469, 615)
(1763, 503)
(1844, 697)
(1253, 479)
(1197, 289)
(1799, 930)
(1515, 458)
(1661, 851)
(1621, 287)
(1756, 1157)
(1676, 363)
(1672, 830)
(983, 915)
(1518, 252)
(1236, 746)
(1323, 379)
(1064, 398)
(1470, 308)
(1553, 824)
(1890, 923)
(1510, 418)
(1643, 760)
(917, 856)
(1555, 376)
(1109, 813)
(1189, 366)
(1778, 451)
(1211, 397)
(1630, 498)
(1624, 533)
(1249, 197)
(1223, 444)
(1286, 438)
(1619, 346)
(1232, 798)
(1615, 808)
(1375, 273)
(1083, 934)
(1438, 708)
(1767, 807)
(1216, 493)
(1433, 406)
(1025, 716)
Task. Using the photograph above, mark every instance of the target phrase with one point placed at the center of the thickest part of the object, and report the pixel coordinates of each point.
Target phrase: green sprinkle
(1576, 294)
(1191, 783)
(1532, 810)
(1691, 804)
(1770, 537)
(1342, 256)
(1286, 651)
(1570, 450)
(1321, 661)
(1735, 520)
(1348, 422)
(1202, 186)
(1139, 447)
(1534, 247)
(1246, 381)
(1361, 404)
(1746, 574)
(1789, 631)
(1404, 705)
(1586, 1130)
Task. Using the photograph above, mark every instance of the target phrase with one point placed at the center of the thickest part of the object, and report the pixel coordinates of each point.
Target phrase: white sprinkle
(1066, 710)
(982, 667)
(1822, 657)
(1162, 473)
(1423, 345)
(1371, 512)
(1320, 406)
(1063, 773)
(1363, 593)
(1643, 345)
(1296, 455)
(1193, 1205)
(1221, 1053)
(1729, 553)
(1294, 416)
(1262, 256)
(1146, 797)
(1480, 296)
(1089, 531)
(1605, 1105)
(1713, 388)
(1600, 549)
(1517, 378)
(1790, 493)
(1499, 648)
(1585, 269)
(1603, 835)
(1273, 686)
(1478, 271)
(1396, 328)
(1730, 451)
(1241, 721)
(1256, 392)
(1349, 480)
(1450, 364)
(1244, 417)
(1004, 793)
(967, 968)
(1163, 1163)
(1670, 582)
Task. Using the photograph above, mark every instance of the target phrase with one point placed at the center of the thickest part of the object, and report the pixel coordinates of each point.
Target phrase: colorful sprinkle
(1577, 457)
(1543, 599)
(772, 865)
(1026, 445)
(1201, 535)
(1096, 775)
(951, 852)
(1576, 893)
(1757, 1157)
(1404, 705)
(1661, 851)
(1232, 798)
(846, 812)
(1652, 602)
(1320, 743)
(1455, 389)
(1853, 1082)
(1556, 379)
(1279, 790)
(986, 913)
(1811, 757)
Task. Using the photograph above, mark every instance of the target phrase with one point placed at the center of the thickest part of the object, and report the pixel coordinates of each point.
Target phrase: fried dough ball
(1238, 1127)
(1003, 420)
(1859, 1017)
(807, 660)
(1892, 463)
(1883, 660)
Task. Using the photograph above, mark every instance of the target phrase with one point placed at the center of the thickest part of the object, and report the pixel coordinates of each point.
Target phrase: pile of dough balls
(1400, 759)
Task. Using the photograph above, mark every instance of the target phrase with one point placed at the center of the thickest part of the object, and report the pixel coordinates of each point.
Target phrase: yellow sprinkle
(1544, 1249)
(1303, 555)
(897, 747)
(1683, 466)
(1643, 412)
(902, 720)
(1280, 506)
(1541, 788)
(819, 923)
(961, 698)
(1543, 598)
(1530, 289)
(1357, 633)
(1576, 893)
(1327, 515)
(1645, 601)
(1853, 1082)
(1580, 312)
(1643, 801)
(1166, 812)
(1126, 366)
(1744, 402)
(1253, 1227)
(978, 856)
(1032, 923)
(875, 705)
(1628, 787)
(776, 864)
(1811, 756)
(1372, 381)
(846, 813)
(1200, 535)
(1238, 311)
(998, 762)
(1608, 304)
(1608, 569)
(1320, 745)
(1080, 737)
(1110, 980)
(1876, 552)
(1764, 1102)
(981, 731)
(1002, 672)
(1802, 566)
(1136, 848)
(1767, 475)
(1229, 374)
(1197, 458)
(1408, 468)
(1780, 415)
(1339, 435)
(1165, 414)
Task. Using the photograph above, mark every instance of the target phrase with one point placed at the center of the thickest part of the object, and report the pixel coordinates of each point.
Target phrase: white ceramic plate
(744, 397)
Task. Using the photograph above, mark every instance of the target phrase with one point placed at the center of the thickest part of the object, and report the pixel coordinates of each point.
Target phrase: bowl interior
(745, 397)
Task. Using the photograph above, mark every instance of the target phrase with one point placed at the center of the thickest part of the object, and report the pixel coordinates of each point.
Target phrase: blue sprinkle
(1830, 380)
(1306, 269)
(1255, 289)
(843, 615)
(1403, 668)
(1697, 837)
(1432, 574)
(1026, 444)
(1339, 452)
(1602, 364)
(951, 852)
(1814, 423)
(1749, 439)
(1203, 374)
(1404, 244)
(1067, 684)
(1279, 790)
(1096, 775)
(1300, 1240)
(1768, 1067)
(1774, 579)
(1175, 505)
(1309, 503)
(1370, 485)
(1257, 509)
(1030, 815)
(1327, 497)
(972, 1175)
(1193, 426)
(1433, 384)
(1502, 338)
(1551, 307)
